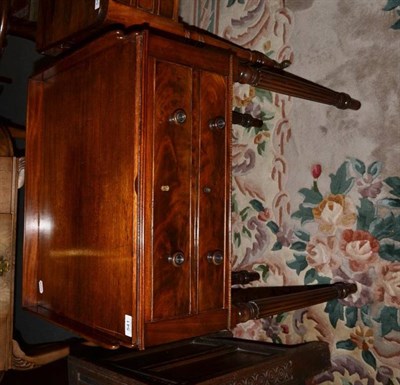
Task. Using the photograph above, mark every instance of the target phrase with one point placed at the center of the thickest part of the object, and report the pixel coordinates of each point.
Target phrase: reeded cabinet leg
(260, 302)
(277, 80)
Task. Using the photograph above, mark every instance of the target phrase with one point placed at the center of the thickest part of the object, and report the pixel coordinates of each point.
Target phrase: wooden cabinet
(128, 190)
(127, 204)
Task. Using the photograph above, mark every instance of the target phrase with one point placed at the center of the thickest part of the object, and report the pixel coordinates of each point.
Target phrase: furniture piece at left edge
(12, 356)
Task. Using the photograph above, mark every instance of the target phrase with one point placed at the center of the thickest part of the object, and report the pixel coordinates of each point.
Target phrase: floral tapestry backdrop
(316, 190)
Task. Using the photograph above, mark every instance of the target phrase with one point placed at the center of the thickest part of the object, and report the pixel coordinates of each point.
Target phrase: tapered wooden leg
(261, 302)
(283, 82)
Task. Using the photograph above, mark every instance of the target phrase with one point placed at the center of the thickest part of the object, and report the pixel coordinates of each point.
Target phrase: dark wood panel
(58, 19)
(173, 195)
(212, 191)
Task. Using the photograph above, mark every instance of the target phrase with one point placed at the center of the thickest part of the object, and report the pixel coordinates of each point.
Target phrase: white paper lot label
(128, 325)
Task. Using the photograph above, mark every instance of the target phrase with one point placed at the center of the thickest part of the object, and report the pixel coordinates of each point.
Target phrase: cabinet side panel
(86, 173)
(33, 155)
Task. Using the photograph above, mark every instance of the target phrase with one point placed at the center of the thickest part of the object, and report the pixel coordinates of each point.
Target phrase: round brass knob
(178, 117)
(177, 259)
(217, 123)
(215, 257)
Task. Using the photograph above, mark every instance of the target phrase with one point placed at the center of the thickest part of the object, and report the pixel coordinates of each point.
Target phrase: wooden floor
(55, 373)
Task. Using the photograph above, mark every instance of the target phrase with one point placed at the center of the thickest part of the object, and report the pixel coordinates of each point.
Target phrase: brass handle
(217, 123)
(177, 259)
(4, 266)
(178, 117)
(215, 257)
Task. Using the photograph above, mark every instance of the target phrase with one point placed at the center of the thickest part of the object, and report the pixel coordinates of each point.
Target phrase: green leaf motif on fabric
(232, 2)
(358, 166)
(246, 231)
(264, 270)
(389, 320)
(374, 169)
(389, 252)
(310, 276)
(311, 196)
(267, 115)
(273, 227)
(394, 183)
(234, 204)
(396, 25)
(387, 227)
(322, 280)
(351, 316)
(388, 202)
(257, 205)
(391, 4)
(281, 317)
(298, 246)
(304, 236)
(244, 213)
(365, 315)
(366, 214)
(264, 94)
(369, 358)
(305, 214)
(299, 264)
(335, 311)
(237, 239)
(261, 148)
(277, 246)
(346, 344)
(340, 183)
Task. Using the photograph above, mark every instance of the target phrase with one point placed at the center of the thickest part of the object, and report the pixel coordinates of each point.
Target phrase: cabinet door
(172, 190)
(213, 194)
(187, 189)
